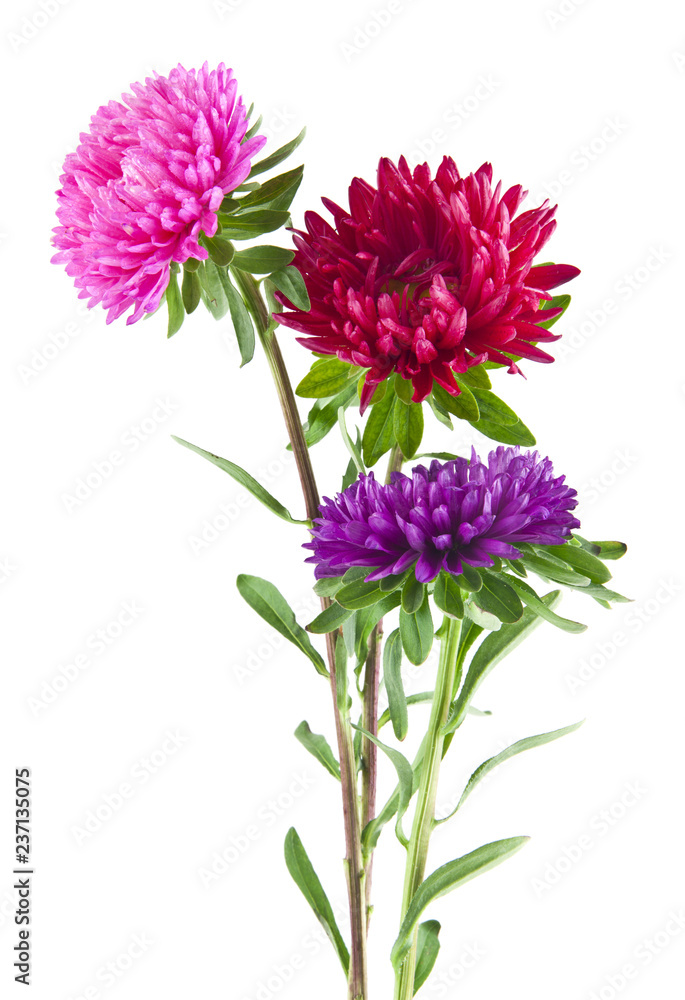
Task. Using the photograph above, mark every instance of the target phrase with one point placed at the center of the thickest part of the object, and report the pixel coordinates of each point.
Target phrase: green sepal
(413, 593)
(191, 291)
(447, 595)
(174, 304)
(219, 250)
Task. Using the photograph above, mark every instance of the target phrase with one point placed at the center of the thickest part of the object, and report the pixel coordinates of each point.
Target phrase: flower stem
(424, 817)
(369, 750)
(354, 863)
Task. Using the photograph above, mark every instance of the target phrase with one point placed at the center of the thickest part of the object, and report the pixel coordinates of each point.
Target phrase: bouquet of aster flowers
(410, 300)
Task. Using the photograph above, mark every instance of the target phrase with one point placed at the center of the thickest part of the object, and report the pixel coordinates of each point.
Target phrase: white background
(587, 92)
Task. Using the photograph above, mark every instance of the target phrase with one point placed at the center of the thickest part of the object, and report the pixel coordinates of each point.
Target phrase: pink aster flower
(427, 277)
(146, 181)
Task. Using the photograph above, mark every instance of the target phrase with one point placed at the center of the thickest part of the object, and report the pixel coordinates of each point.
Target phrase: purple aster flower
(145, 181)
(439, 518)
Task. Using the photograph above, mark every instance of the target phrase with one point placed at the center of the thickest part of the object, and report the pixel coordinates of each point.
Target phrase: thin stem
(424, 817)
(354, 863)
(369, 750)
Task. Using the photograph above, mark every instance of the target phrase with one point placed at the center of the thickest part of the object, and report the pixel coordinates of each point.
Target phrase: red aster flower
(427, 277)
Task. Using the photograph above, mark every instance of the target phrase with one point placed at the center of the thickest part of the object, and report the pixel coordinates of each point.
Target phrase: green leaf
(493, 648)
(440, 412)
(549, 567)
(245, 479)
(405, 778)
(327, 586)
(583, 562)
(271, 605)
(278, 192)
(318, 747)
(408, 426)
(330, 619)
(493, 409)
(250, 225)
(446, 878)
(404, 390)
(426, 952)
(343, 699)
(611, 550)
(302, 871)
(242, 324)
(463, 406)
(353, 449)
(489, 765)
(191, 290)
(392, 676)
(327, 378)
(412, 594)
(416, 631)
(262, 259)
(498, 598)
(413, 699)
(447, 596)
(220, 251)
(323, 415)
(484, 619)
(281, 154)
(175, 305)
(469, 579)
(536, 604)
(379, 436)
(476, 377)
(212, 286)
(366, 620)
(557, 301)
(359, 593)
(290, 282)
(515, 434)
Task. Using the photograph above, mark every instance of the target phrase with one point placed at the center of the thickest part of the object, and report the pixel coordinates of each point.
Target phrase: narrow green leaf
(254, 128)
(498, 598)
(318, 747)
(366, 620)
(463, 406)
(426, 952)
(583, 562)
(557, 301)
(330, 619)
(191, 290)
(302, 871)
(408, 426)
(271, 605)
(476, 377)
(611, 550)
(378, 436)
(405, 778)
(262, 259)
(327, 586)
(413, 699)
(353, 449)
(515, 434)
(489, 765)
(242, 324)
(327, 378)
(278, 156)
(446, 878)
(404, 390)
(278, 192)
(493, 409)
(536, 604)
(359, 593)
(220, 251)
(392, 676)
(484, 619)
(416, 631)
(323, 415)
(212, 286)
(469, 579)
(494, 648)
(549, 567)
(440, 413)
(175, 305)
(245, 479)
(251, 225)
(447, 596)
(290, 282)
(413, 593)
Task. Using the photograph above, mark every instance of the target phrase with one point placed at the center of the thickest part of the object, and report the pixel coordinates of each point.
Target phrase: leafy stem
(424, 817)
